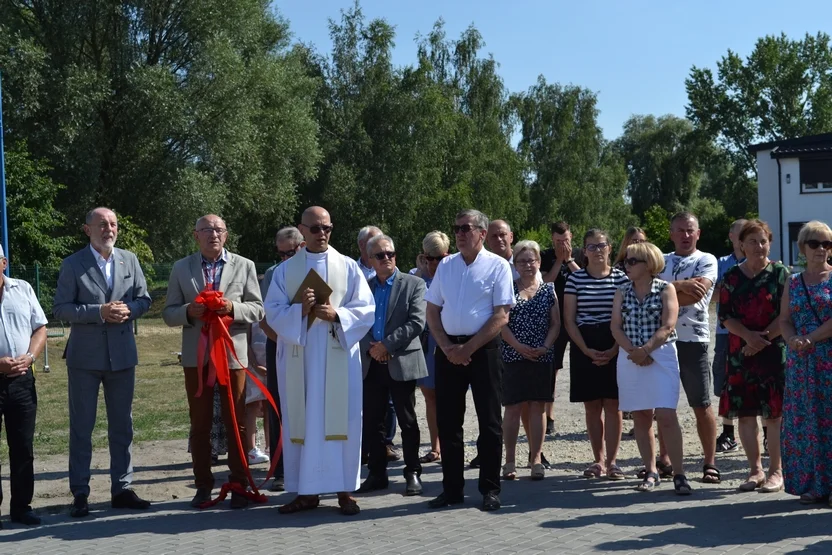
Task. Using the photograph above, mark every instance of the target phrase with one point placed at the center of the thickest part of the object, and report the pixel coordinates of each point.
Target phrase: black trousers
(18, 406)
(274, 424)
(484, 375)
(379, 387)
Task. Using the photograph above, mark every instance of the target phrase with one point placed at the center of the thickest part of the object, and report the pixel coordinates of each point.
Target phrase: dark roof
(792, 147)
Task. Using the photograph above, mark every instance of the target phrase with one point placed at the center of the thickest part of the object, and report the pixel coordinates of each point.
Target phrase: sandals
(431, 456)
(615, 473)
(649, 485)
(710, 474)
(300, 503)
(593, 471)
(348, 504)
(538, 472)
(809, 499)
(681, 485)
(509, 471)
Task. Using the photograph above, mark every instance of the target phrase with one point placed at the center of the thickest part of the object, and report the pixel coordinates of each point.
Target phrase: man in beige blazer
(236, 278)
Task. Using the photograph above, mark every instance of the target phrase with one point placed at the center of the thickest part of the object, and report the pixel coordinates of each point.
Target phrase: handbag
(809, 300)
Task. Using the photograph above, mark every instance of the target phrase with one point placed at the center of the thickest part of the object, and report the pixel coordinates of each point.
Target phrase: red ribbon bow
(216, 340)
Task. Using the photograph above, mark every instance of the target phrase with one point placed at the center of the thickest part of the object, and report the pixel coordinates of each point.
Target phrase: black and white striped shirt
(594, 296)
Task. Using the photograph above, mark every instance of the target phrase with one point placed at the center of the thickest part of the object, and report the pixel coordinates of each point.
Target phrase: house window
(794, 251)
(816, 176)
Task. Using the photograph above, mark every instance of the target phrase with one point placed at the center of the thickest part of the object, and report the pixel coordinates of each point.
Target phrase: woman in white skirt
(643, 324)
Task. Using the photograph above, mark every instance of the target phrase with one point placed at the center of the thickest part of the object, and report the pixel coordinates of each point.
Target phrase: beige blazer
(238, 283)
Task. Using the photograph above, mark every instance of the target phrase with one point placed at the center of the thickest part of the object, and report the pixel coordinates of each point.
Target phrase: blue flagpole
(5, 222)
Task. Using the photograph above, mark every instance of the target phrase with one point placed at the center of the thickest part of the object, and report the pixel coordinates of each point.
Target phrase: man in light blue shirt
(22, 337)
(726, 442)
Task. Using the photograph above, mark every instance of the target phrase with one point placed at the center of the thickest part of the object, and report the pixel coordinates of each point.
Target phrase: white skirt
(649, 387)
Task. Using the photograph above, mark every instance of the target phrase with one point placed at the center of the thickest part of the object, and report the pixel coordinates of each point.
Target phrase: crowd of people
(343, 345)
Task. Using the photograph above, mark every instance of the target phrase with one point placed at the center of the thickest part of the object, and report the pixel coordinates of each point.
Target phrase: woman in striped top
(587, 304)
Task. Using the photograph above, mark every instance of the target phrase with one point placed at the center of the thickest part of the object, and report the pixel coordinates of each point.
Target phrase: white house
(794, 179)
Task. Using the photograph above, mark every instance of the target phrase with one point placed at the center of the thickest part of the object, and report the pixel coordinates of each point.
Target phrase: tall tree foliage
(164, 110)
(781, 91)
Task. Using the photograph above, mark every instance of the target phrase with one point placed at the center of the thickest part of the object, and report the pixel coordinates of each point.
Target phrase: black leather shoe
(413, 484)
(475, 462)
(129, 500)
(27, 517)
(278, 484)
(490, 502)
(373, 483)
(203, 495)
(238, 501)
(80, 507)
(444, 500)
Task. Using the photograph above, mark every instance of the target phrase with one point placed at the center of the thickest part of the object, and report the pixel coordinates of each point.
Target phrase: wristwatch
(570, 261)
(32, 357)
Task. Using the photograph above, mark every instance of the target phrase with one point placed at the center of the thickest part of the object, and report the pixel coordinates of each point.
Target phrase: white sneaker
(256, 456)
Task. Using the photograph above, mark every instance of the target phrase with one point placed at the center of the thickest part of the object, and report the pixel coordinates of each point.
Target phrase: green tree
(782, 90)
(164, 111)
(656, 224)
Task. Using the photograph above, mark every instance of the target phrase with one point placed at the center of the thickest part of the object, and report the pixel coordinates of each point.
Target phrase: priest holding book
(320, 306)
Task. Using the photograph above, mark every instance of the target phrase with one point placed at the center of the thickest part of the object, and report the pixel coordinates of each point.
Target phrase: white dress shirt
(468, 293)
(106, 266)
(20, 316)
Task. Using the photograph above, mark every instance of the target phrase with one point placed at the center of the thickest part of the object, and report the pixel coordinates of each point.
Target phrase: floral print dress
(754, 384)
(807, 405)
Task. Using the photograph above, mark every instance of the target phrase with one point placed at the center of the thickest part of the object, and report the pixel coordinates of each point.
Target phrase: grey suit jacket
(238, 283)
(405, 322)
(82, 289)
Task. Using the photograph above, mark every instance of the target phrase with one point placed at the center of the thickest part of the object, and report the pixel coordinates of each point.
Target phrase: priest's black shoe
(490, 502)
(27, 517)
(413, 484)
(238, 501)
(444, 500)
(373, 483)
(128, 499)
(80, 507)
(475, 462)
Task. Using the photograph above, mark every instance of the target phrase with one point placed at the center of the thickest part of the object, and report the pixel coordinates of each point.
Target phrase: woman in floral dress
(749, 308)
(805, 321)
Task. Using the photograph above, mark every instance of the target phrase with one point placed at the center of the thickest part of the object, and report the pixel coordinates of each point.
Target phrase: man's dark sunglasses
(430, 258)
(464, 228)
(383, 255)
(289, 253)
(633, 261)
(814, 243)
(318, 228)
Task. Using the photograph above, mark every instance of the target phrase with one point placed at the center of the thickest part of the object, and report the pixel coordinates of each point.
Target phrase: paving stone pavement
(562, 514)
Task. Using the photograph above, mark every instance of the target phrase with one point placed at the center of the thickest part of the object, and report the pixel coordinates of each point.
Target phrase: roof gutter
(780, 202)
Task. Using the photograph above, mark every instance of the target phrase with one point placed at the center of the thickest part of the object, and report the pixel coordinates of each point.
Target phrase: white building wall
(799, 207)
(767, 199)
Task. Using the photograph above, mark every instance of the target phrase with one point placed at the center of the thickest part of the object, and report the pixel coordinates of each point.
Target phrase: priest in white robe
(319, 368)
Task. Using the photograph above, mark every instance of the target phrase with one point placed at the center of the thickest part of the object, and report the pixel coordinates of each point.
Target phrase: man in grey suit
(392, 361)
(101, 289)
(213, 267)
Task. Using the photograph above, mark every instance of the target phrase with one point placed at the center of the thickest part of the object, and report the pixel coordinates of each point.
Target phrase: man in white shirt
(694, 273)
(468, 304)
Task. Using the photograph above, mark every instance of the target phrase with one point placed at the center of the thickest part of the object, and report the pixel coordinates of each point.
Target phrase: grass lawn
(160, 408)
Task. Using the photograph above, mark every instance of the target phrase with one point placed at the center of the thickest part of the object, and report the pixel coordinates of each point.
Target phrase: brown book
(314, 281)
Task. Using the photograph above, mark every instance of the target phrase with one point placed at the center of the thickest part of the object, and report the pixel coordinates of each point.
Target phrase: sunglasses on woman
(633, 261)
(814, 243)
(430, 258)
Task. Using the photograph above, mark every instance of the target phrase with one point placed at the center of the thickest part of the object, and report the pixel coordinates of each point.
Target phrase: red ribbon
(217, 339)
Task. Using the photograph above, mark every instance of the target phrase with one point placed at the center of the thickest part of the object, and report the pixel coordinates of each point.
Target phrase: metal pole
(5, 224)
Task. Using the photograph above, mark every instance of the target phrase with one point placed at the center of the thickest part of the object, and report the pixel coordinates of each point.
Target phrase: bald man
(214, 268)
(319, 367)
(101, 290)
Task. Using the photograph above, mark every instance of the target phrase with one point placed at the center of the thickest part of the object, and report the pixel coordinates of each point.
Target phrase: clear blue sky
(634, 54)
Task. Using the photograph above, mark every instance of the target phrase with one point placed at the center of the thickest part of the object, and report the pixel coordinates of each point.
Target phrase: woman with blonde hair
(643, 324)
(435, 246)
(805, 316)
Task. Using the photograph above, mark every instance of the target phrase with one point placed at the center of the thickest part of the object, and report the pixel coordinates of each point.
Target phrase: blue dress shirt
(382, 296)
